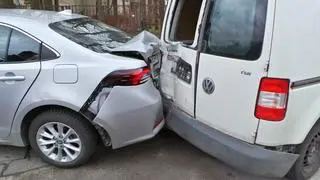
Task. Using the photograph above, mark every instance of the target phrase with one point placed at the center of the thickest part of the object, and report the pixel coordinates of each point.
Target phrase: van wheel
(309, 161)
(62, 138)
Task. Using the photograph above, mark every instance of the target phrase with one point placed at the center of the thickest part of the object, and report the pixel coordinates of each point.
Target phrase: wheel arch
(30, 115)
(312, 119)
(316, 122)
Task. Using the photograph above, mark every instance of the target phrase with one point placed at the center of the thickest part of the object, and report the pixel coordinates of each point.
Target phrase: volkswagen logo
(208, 85)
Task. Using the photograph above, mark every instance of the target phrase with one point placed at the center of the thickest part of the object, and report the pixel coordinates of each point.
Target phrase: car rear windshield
(91, 34)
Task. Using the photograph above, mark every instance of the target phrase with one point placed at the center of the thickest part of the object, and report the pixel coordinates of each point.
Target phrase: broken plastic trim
(103, 135)
(95, 106)
(155, 62)
(85, 109)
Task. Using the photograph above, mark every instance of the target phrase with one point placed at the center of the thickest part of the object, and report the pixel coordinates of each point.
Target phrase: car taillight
(131, 77)
(272, 99)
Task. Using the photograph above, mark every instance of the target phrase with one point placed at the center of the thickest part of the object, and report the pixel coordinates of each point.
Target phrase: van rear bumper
(243, 156)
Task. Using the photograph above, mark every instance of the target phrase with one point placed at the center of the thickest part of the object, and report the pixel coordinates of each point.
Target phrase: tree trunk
(81, 6)
(56, 5)
(124, 7)
(46, 5)
(35, 4)
(115, 8)
(143, 15)
(108, 7)
(98, 9)
(162, 11)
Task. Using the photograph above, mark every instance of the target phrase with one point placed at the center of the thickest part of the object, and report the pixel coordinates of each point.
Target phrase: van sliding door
(237, 47)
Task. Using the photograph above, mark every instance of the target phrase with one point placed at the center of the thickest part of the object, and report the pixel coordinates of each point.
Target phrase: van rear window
(236, 28)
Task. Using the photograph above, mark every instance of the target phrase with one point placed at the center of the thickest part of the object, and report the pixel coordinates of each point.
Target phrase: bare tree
(81, 6)
(98, 9)
(46, 4)
(108, 7)
(143, 13)
(115, 8)
(56, 5)
(124, 7)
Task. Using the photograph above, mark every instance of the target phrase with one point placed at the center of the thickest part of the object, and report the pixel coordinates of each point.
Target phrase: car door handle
(12, 78)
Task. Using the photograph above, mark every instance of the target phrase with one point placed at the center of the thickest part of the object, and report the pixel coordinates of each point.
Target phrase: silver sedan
(67, 81)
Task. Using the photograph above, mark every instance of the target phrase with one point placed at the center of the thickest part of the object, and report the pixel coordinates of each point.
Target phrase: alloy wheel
(59, 142)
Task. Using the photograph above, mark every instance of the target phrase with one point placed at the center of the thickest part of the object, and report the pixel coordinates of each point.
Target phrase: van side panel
(295, 55)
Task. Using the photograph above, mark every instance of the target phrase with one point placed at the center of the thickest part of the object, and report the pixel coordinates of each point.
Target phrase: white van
(241, 81)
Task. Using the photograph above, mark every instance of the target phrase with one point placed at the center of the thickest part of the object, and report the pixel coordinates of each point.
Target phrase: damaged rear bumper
(131, 114)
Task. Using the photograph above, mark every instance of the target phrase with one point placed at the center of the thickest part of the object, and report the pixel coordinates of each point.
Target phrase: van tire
(84, 131)
(310, 146)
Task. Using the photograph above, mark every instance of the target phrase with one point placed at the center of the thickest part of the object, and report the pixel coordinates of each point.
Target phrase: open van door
(180, 33)
(227, 59)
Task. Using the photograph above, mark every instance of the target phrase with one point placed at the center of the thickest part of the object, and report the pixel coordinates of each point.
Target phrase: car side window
(22, 48)
(236, 28)
(47, 54)
(4, 38)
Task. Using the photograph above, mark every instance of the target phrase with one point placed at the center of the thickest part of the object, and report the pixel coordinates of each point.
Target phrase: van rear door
(233, 59)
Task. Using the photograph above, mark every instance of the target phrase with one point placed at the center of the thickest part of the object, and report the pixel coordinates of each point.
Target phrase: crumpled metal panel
(145, 43)
(151, 49)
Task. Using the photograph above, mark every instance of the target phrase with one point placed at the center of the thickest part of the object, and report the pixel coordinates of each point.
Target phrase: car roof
(40, 16)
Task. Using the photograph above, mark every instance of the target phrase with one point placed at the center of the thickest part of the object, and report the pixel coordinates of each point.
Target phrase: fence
(132, 17)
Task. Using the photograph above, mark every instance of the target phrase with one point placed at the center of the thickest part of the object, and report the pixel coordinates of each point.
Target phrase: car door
(180, 34)
(234, 58)
(19, 67)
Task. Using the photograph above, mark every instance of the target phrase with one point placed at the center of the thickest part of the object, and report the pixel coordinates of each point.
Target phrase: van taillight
(130, 77)
(272, 99)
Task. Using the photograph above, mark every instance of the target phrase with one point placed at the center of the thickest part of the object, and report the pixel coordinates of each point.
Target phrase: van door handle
(12, 78)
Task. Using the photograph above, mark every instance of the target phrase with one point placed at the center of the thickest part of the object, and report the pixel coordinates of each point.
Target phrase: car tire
(62, 138)
(309, 161)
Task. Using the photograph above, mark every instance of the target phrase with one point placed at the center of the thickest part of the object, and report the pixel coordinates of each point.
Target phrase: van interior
(184, 22)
